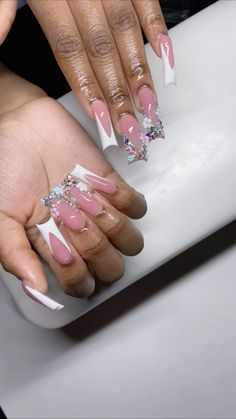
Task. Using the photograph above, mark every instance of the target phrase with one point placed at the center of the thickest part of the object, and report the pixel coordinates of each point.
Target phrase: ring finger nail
(56, 242)
(104, 124)
(134, 139)
(151, 113)
(167, 56)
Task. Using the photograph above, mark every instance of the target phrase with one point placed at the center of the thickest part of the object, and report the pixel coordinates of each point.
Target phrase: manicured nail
(70, 216)
(55, 241)
(41, 298)
(104, 124)
(84, 288)
(100, 183)
(151, 114)
(87, 201)
(134, 139)
(167, 56)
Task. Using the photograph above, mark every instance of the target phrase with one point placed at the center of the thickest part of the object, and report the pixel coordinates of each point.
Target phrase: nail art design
(41, 298)
(55, 241)
(134, 139)
(151, 114)
(167, 56)
(104, 124)
(99, 183)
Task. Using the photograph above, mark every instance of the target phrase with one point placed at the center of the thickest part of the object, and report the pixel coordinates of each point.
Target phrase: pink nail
(100, 183)
(134, 139)
(59, 250)
(148, 104)
(70, 216)
(87, 201)
(104, 124)
(166, 42)
(41, 298)
(167, 56)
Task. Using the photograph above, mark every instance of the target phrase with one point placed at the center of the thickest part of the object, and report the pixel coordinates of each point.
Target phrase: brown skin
(34, 157)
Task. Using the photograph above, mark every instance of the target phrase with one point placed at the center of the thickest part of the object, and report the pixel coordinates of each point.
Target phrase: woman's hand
(40, 143)
(99, 46)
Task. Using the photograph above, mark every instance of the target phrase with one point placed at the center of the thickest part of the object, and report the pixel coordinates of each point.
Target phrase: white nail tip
(105, 139)
(169, 72)
(80, 172)
(51, 227)
(44, 299)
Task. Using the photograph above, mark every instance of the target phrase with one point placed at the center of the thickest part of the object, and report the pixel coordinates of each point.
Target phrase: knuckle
(68, 44)
(153, 19)
(68, 281)
(118, 225)
(98, 42)
(128, 198)
(123, 19)
(118, 96)
(98, 246)
(138, 69)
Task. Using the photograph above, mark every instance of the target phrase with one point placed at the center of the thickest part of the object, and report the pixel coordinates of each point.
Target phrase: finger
(126, 31)
(7, 16)
(154, 27)
(69, 268)
(105, 60)
(68, 48)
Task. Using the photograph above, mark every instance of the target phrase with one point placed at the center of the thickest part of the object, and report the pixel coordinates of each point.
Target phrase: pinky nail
(55, 241)
(100, 183)
(151, 114)
(134, 139)
(167, 56)
(104, 124)
(41, 298)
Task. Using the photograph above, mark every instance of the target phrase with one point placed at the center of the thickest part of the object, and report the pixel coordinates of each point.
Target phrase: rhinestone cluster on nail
(61, 193)
(133, 153)
(154, 132)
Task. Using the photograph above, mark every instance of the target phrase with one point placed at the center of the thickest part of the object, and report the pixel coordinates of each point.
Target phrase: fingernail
(167, 56)
(55, 241)
(151, 114)
(87, 201)
(104, 124)
(70, 216)
(41, 298)
(134, 139)
(84, 288)
(100, 183)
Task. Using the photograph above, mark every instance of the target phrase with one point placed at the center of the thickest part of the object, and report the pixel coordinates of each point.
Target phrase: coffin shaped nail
(87, 201)
(151, 114)
(167, 56)
(104, 124)
(70, 216)
(134, 139)
(55, 241)
(100, 183)
(41, 298)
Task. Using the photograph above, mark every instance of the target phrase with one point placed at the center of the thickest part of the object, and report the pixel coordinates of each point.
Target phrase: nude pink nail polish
(101, 184)
(104, 124)
(151, 114)
(134, 139)
(59, 250)
(70, 216)
(87, 201)
(167, 56)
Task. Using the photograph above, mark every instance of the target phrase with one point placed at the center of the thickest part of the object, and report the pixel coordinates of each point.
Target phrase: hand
(40, 143)
(99, 47)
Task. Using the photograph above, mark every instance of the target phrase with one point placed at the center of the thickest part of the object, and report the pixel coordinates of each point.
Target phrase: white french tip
(169, 72)
(44, 299)
(79, 171)
(105, 139)
(51, 227)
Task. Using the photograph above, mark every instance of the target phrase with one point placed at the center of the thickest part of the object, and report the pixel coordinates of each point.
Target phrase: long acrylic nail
(87, 201)
(104, 124)
(100, 183)
(167, 56)
(134, 139)
(55, 241)
(41, 298)
(70, 216)
(151, 114)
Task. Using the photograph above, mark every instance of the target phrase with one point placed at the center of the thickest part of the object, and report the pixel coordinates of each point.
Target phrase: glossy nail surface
(70, 216)
(101, 184)
(167, 56)
(134, 139)
(41, 298)
(104, 124)
(87, 201)
(59, 250)
(151, 114)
